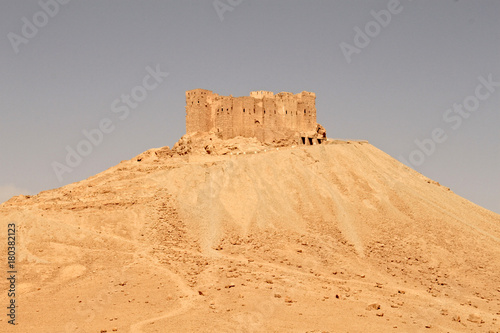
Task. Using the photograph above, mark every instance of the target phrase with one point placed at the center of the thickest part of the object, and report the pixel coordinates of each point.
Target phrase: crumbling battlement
(263, 114)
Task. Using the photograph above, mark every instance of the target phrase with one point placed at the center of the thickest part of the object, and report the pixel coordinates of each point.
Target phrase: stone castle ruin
(263, 115)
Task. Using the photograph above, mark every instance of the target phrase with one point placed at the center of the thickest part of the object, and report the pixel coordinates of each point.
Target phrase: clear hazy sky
(65, 68)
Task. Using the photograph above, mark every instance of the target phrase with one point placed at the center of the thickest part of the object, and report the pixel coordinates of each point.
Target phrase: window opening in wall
(303, 140)
(310, 141)
(304, 111)
(264, 111)
(319, 141)
(243, 110)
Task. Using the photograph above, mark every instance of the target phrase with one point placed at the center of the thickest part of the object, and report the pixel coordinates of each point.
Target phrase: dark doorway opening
(303, 140)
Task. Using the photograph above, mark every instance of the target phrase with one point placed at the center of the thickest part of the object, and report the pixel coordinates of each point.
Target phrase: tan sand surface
(326, 238)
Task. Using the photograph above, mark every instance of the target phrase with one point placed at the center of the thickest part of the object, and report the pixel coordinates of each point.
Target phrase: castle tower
(198, 111)
(306, 109)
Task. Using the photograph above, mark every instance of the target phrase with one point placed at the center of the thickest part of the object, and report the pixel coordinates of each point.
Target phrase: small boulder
(474, 318)
(373, 306)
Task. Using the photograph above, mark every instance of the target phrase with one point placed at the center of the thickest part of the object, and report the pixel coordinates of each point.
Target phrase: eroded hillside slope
(326, 238)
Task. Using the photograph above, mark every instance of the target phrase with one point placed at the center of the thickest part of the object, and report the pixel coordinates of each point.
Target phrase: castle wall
(262, 114)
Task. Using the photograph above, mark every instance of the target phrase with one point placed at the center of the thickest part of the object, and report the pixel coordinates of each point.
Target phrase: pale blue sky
(394, 91)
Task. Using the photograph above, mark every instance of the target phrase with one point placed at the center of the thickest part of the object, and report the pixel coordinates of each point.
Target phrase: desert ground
(243, 237)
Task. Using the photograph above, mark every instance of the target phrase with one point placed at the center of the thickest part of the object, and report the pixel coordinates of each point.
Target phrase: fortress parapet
(261, 94)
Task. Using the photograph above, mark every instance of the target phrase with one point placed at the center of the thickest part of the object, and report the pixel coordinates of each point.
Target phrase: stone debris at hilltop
(213, 144)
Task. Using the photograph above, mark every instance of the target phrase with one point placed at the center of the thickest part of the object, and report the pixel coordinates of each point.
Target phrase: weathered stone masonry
(262, 115)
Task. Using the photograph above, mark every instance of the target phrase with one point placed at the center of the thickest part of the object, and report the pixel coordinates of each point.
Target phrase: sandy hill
(240, 237)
